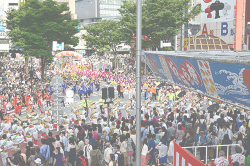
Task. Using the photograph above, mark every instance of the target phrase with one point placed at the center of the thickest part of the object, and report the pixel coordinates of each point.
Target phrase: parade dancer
(17, 139)
(5, 144)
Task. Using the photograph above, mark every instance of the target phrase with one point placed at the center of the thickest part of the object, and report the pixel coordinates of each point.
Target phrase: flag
(103, 67)
(92, 67)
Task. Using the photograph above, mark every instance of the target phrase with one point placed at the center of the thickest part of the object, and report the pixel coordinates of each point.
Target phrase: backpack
(120, 159)
(142, 132)
(22, 162)
(83, 162)
(94, 160)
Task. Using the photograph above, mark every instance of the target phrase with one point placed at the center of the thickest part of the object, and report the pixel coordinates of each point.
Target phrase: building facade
(4, 40)
(222, 19)
(90, 11)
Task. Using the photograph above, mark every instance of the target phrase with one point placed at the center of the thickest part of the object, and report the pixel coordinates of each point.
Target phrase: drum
(69, 93)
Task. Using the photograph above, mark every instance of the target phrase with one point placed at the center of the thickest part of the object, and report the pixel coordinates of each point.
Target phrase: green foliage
(35, 25)
(104, 33)
(161, 19)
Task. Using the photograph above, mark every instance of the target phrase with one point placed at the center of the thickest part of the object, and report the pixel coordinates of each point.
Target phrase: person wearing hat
(38, 162)
(5, 144)
(106, 128)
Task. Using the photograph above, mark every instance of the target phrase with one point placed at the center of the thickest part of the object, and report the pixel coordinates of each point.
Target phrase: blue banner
(228, 81)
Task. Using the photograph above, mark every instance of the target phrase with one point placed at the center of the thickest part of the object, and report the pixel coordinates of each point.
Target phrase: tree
(161, 19)
(35, 25)
(104, 33)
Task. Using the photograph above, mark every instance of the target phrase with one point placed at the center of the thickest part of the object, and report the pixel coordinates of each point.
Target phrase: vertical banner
(92, 67)
(109, 67)
(183, 158)
(103, 67)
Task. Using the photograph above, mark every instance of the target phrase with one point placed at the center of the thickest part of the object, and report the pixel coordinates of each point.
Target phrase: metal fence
(210, 146)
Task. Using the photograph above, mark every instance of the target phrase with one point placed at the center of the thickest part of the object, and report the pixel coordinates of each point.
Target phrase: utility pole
(138, 80)
(57, 82)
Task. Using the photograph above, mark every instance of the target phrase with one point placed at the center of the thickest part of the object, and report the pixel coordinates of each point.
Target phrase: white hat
(38, 161)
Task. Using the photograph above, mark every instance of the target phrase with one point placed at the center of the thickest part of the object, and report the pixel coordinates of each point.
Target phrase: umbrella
(181, 94)
(213, 107)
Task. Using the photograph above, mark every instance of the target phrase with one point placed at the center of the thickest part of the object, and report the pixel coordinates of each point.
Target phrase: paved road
(95, 97)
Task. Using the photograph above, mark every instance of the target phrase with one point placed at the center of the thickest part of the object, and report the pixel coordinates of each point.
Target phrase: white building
(4, 6)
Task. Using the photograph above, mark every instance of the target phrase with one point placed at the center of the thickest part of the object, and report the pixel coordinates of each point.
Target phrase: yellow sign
(185, 44)
(73, 74)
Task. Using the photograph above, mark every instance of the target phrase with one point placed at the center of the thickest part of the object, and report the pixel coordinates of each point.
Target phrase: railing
(210, 146)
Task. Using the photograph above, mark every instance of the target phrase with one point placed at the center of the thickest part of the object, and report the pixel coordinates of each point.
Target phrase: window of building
(13, 4)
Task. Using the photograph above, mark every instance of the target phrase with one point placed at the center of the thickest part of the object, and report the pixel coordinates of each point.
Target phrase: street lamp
(194, 28)
(248, 28)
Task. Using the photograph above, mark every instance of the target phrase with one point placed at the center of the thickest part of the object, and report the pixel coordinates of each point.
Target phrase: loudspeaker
(104, 93)
(111, 92)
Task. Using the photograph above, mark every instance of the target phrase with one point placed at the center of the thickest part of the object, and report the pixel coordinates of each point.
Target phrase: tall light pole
(138, 80)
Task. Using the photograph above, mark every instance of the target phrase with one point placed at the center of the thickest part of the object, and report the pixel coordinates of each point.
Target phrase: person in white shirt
(144, 152)
(226, 130)
(163, 124)
(86, 150)
(111, 160)
(107, 153)
(242, 129)
(238, 156)
(217, 116)
(171, 151)
(118, 130)
(163, 150)
(221, 160)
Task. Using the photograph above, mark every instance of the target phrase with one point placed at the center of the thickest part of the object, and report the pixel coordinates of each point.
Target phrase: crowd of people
(169, 114)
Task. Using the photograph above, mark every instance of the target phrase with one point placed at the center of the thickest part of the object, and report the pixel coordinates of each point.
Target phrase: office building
(90, 11)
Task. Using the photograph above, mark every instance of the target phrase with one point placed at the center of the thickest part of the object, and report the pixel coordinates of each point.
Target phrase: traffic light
(13, 55)
(16, 49)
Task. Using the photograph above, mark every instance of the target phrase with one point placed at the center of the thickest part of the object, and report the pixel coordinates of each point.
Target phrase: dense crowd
(169, 114)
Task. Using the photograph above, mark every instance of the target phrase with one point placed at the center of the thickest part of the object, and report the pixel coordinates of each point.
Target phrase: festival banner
(228, 81)
(184, 158)
(103, 67)
(1, 97)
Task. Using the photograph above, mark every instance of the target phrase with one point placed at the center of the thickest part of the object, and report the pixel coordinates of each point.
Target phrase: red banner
(1, 97)
(183, 158)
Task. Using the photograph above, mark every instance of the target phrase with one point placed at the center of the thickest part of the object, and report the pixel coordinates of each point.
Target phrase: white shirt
(89, 148)
(216, 117)
(116, 157)
(227, 131)
(221, 161)
(242, 129)
(238, 157)
(144, 150)
(107, 152)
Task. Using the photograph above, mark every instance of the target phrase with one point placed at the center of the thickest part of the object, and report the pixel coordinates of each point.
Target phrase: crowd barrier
(211, 146)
